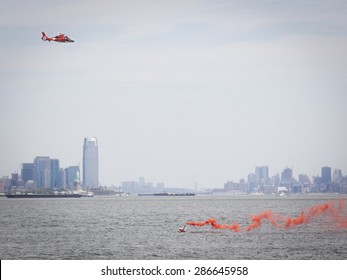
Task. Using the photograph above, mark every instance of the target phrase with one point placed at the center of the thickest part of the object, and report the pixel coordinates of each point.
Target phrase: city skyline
(257, 182)
(46, 172)
(180, 92)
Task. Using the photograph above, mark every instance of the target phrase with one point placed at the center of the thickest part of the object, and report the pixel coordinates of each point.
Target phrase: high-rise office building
(337, 175)
(42, 170)
(70, 175)
(262, 175)
(54, 174)
(326, 174)
(27, 172)
(287, 175)
(90, 163)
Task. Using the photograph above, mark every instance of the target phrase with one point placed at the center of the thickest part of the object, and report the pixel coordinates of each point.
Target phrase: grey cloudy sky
(176, 91)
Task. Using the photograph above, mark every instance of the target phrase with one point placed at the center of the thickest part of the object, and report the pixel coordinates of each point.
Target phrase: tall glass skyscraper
(54, 173)
(28, 171)
(42, 171)
(326, 174)
(262, 175)
(90, 163)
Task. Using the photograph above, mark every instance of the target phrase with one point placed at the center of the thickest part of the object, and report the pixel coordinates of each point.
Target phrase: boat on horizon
(166, 194)
(43, 195)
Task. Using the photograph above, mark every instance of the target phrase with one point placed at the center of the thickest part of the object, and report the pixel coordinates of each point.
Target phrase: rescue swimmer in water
(183, 229)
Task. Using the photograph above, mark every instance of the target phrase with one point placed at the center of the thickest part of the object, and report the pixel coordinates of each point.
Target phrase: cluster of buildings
(141, 186)
(46, 173)
(258, 182)
(284, 183)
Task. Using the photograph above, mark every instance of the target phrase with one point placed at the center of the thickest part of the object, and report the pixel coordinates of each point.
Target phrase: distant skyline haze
(180, 92)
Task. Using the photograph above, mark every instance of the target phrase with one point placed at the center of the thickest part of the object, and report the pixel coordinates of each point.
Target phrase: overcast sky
(180, 92)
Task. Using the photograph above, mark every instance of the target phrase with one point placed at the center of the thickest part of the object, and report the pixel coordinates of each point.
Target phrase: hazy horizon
(180, 92)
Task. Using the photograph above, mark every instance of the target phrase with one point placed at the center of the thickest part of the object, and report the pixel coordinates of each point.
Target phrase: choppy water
(146, 228)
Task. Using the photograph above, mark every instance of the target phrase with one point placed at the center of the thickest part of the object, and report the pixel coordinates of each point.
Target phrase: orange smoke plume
(336, 213)
(235, 227)
(256, 220)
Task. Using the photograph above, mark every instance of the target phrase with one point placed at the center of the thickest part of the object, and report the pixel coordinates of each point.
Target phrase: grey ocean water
(129, 228)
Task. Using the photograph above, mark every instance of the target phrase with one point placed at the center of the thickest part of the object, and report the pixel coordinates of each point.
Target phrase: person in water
(182, 229)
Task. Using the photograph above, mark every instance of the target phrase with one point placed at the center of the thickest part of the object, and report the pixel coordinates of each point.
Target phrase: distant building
(262, 175)
(5, 183)
(14, 179)
(243, 186)
(252, 185)
(62, 178)
(130, 187)
(304, 179)
(46, 178)
(2, 186)
(54, 174)
(337, 176)
(276, 180)
(70, 174)
(90, 163)
(287, 175)
(326, 175)
(231, 186)
(42, 169)
(27, 172)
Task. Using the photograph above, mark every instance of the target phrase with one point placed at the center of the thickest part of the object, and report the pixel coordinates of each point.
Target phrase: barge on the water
(48, 195)
(166, 194)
